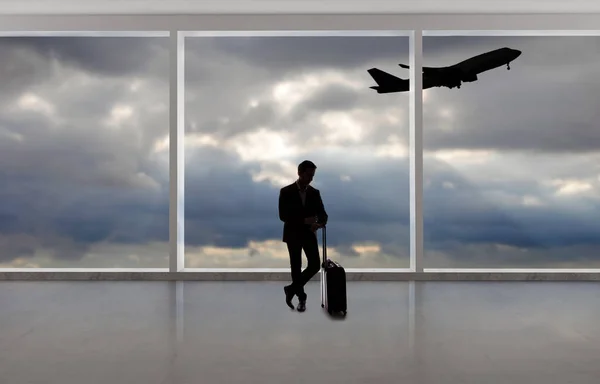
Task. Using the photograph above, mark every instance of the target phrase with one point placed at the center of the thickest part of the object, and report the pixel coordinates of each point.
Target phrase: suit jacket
(293, 213)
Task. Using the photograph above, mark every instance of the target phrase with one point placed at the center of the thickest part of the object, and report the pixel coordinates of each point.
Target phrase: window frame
(177, 27)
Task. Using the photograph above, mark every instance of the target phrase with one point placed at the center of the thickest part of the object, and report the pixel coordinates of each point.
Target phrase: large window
(84, 123)
(255, 107)
(512, 160)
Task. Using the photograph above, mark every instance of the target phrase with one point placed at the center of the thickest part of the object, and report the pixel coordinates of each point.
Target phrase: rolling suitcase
(333, 283)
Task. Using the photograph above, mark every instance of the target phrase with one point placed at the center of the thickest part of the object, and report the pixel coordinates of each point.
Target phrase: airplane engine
(468, 78)
(454, 83)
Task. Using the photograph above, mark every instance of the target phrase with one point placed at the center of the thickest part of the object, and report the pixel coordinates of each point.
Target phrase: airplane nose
(517, 53)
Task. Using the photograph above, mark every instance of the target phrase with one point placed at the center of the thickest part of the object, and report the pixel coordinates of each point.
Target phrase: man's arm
(285, 213)
(321, 213)
(284, 210)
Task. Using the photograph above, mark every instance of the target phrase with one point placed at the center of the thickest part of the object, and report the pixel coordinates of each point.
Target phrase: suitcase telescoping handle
(324, 229)
(324, 266)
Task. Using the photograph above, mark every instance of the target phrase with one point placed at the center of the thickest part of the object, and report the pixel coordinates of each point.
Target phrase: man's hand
(315, 226)
(310, 220)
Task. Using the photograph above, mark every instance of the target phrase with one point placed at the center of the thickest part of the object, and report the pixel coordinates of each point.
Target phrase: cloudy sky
(511, 164)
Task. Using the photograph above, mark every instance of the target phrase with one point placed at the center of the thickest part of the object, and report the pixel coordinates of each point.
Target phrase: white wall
(31, 7)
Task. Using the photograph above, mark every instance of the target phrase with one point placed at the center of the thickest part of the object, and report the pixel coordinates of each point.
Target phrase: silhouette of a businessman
(302, 211)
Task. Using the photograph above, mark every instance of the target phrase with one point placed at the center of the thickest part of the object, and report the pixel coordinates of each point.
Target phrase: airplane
(451, 76)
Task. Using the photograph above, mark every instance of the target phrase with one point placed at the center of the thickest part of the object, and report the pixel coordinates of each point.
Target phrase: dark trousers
(308, 242)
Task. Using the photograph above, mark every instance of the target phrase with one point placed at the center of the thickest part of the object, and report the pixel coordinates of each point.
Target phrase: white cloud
(446, 112)
(274, 254)
(392, 150)
(13, 136)
(532, 201)
(277, 173)
(464, 157)
(341, 128)
(161, 145)
(119, 115)
(287, 94)
(32, 102)
(136, 85)
(196, 140)
(571, 187)
(263, 145)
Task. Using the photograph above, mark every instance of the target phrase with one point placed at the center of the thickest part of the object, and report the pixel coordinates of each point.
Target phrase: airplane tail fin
(383, 78)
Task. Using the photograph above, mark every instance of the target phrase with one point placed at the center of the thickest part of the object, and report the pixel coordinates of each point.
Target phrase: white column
(176, 153)
(180, 313)
(416, 151)
(411, 317)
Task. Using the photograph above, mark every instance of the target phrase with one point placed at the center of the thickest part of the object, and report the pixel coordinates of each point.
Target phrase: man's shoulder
(294, 187)
(288, 187)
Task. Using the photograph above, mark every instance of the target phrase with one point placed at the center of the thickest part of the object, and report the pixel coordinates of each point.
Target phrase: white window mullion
(416, 151)
(176, 154)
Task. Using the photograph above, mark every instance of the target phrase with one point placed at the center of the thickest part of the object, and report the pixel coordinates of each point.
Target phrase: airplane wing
(426, 69)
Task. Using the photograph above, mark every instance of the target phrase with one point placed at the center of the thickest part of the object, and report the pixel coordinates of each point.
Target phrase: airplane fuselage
(489, 60)
(467, 70)
(451, 76)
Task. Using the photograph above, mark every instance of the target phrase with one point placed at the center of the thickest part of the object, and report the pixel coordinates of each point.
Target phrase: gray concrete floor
(232, 332)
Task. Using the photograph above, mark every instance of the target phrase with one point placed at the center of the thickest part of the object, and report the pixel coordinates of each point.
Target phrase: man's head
(306, 172)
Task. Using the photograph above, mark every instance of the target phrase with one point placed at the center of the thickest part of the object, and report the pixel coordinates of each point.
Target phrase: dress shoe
(289, 295)
(302, 306)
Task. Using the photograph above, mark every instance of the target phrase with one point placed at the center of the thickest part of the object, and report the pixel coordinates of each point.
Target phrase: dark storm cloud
(224, 73)
(237, 122)
(468, 215)
(333, 98)
(373, 206)
(74, 176)
(71, 183)
(222, 83)
(20, 69)
(87, 153)
(545, 103)
(111, 56)
(304, 53)
(377, 190)
(503, 120)
(224, 207)
(439, 51)
(487, 112)
(74, 215)
(540, 113)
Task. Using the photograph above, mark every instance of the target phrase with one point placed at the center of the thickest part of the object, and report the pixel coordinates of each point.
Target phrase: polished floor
(234, 332)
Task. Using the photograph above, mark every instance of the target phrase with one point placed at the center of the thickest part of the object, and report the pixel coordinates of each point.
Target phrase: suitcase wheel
(322, 305)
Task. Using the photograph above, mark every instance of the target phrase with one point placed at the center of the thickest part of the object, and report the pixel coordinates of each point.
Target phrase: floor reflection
(416, 332)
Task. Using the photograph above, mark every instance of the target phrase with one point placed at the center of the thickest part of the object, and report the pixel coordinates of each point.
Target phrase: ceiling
(54, 7)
